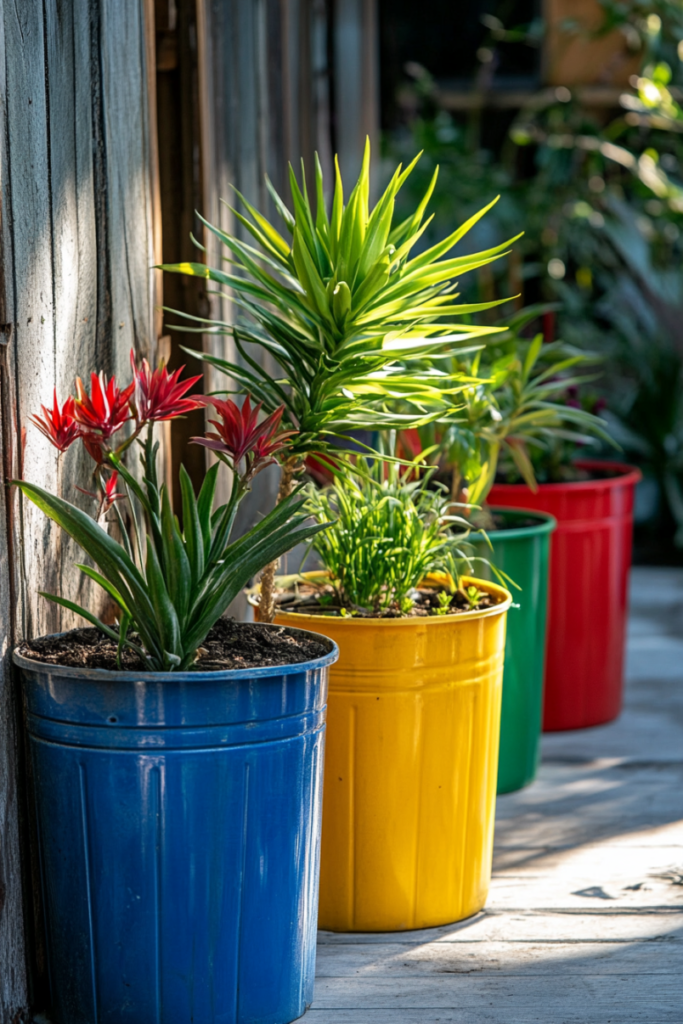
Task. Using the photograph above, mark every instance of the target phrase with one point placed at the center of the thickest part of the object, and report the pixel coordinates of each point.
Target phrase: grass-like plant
(347, 310)
(170, 585)
(391, 526)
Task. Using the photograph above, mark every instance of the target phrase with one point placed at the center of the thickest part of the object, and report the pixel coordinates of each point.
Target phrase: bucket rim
(547, 526)
(626, 474)
(408, 622)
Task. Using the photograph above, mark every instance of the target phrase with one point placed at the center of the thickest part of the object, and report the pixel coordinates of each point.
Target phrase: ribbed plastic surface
(179, 824)
(589, 564)
(411, 764)
(522, 551)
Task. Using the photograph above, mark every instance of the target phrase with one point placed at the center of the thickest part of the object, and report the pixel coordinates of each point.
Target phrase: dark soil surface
(513, 522)
(501, 522)
(486, 519)
(229, 645)
(320, 599)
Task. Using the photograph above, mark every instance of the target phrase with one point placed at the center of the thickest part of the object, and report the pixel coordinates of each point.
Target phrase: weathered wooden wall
(270, 82)
(243, 88)
(264, 102)
(279, 81)
(355, 47)
(78, 239)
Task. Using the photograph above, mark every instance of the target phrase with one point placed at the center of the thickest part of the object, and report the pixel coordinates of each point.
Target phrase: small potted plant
(592, 502)
(176, 756)
(414, 708)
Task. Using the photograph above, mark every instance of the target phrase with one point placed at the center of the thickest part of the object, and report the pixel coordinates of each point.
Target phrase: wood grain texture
(13, 986)
(77, 233)
(534, 959)
(584, 921)
(68, 66)
(125, 108)
(156, 285)
(264, 101)
(32, 352)
(356, 77)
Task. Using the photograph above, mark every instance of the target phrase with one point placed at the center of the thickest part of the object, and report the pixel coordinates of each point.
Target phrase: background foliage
(600, 194)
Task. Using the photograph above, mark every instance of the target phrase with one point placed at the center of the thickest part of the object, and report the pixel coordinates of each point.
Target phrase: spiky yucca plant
(345, 311)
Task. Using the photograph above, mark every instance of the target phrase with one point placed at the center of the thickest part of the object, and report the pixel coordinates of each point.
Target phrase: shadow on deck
(584, 923)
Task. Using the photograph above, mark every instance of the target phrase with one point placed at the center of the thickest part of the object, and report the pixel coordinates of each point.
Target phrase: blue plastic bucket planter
(178, 820)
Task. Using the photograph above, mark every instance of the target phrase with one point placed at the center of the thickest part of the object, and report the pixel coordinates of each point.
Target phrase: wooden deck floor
(584, 923)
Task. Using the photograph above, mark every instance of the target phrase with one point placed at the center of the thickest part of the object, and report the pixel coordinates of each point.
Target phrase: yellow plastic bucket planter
(410, 767)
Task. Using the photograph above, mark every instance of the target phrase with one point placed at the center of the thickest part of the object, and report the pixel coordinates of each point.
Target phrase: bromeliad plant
(170, 584)
(348, 312)
(391, 527)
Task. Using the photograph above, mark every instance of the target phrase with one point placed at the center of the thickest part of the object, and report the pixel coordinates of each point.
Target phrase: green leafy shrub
(519, 416)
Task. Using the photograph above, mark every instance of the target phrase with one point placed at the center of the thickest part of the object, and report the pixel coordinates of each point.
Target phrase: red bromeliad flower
(105, 410)
(159, 394)
(94, 446)
(58, 425)
(239, 435)
(110, 493)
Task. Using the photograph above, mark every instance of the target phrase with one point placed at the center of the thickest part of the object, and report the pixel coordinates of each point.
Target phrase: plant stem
(150, 465)
(125, 539)
(456, 483)
(136, 531)
(128, 442)
(267, 603)
(223, 528)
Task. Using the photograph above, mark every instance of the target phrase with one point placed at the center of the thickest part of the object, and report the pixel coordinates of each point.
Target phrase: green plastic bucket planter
(521, 549)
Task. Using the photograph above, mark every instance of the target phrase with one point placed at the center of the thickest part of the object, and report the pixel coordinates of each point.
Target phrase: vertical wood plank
(69, 74)
(182, 167)
(74, 244)
(28, 297)
(156, 285)
(13, 981)
(356, 79)
(265, 62)
(123, 46)
(13, 987)
(217, 173)
(77, 231)
(320, 75)
(32, 353)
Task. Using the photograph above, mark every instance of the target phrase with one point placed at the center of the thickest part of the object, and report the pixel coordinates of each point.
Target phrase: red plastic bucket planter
(589, 563)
